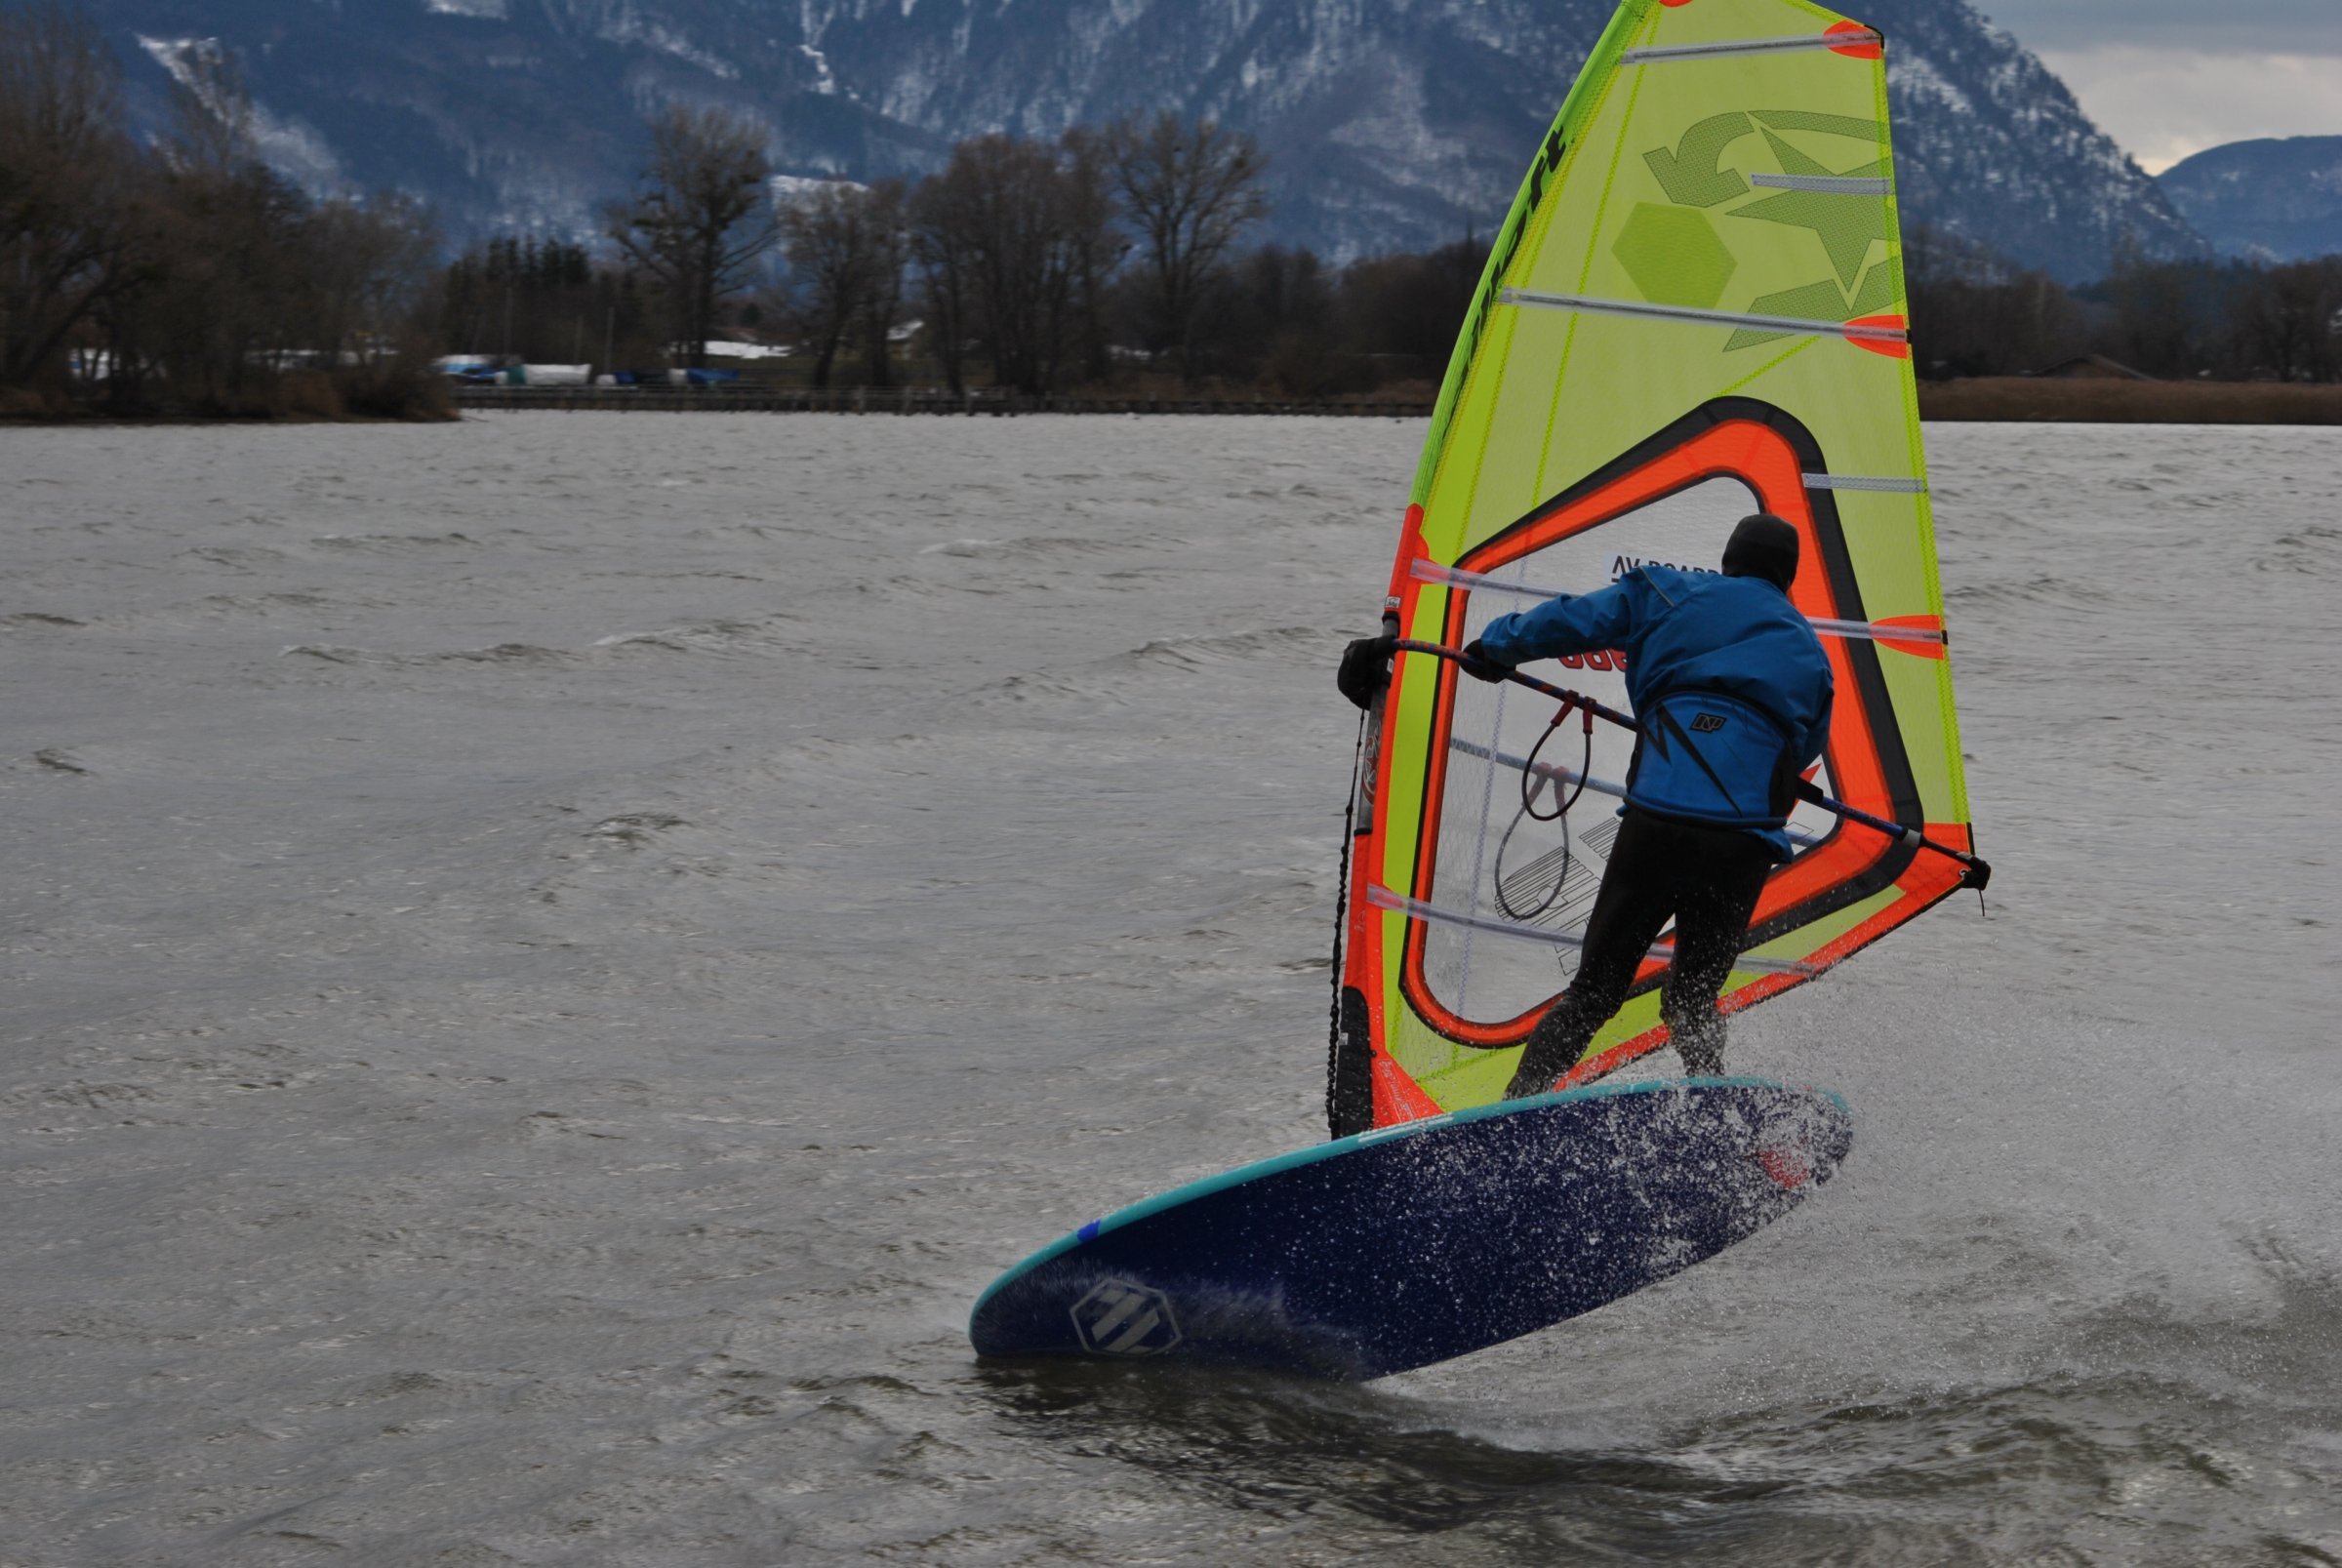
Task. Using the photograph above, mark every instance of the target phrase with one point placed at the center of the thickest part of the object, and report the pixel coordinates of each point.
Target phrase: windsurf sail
(1694, 310)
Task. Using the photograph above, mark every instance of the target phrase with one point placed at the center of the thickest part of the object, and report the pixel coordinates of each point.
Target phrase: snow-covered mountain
(2278, 199)
(1392, 124)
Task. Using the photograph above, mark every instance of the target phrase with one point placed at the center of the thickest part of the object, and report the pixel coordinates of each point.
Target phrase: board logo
(1119, 1318)
(1708, 723)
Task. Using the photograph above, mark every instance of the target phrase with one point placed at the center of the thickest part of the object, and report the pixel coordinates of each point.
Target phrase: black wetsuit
(1709, 880)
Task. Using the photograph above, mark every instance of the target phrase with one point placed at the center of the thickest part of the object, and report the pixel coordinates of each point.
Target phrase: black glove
(1366, 669)
(1480, 665)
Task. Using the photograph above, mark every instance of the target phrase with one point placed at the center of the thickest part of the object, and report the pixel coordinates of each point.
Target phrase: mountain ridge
(1391, 126)
(2271, 198)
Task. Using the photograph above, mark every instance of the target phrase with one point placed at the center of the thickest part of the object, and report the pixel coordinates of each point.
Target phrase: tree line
(1973, 314)
(1103, 255)
(1036, 257)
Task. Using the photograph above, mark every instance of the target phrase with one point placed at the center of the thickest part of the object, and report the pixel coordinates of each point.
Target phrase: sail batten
(1874, 486)
(1695, 309)
(1855, 38)
(1662, 953)
(1873, 331)
(1827, 184)
(1883, 632)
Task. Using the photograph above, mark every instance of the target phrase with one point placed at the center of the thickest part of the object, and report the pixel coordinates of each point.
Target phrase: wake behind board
(1408, 1245)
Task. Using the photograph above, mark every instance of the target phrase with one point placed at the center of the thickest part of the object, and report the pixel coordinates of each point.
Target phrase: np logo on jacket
(1705, 758)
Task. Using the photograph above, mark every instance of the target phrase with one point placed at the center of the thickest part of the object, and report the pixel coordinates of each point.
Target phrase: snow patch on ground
(730, 349)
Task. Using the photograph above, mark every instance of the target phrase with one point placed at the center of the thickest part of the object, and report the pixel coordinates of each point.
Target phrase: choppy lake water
(549, 960)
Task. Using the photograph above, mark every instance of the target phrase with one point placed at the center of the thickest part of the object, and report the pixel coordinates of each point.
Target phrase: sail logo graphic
(1678, 253)
(1708, 723)
(1119, 1318)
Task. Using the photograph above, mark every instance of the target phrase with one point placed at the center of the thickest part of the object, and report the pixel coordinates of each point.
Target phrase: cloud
(2237, 27)
(2165, 103)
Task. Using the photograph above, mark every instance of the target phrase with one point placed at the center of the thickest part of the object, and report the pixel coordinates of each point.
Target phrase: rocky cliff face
(1393, 124)
(2278, 200)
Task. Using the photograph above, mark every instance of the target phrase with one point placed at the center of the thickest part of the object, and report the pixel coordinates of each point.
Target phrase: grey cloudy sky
(2166, 78)
(2298, 26)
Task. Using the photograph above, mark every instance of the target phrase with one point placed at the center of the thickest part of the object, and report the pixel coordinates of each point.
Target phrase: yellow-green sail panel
(1695, 309)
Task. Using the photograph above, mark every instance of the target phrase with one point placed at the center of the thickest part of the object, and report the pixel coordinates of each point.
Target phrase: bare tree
(1288, 319)
(1095, 246)
(69, 186)
(702, 218)
(189, 269)
(1190, 191)
(372, 268)
(2287, 318)
(943, 222)
(1015, 247)
(1021, 275)
(234, 304)
(845, 247)
(889, 246)
(2159, 323)
(259, 298)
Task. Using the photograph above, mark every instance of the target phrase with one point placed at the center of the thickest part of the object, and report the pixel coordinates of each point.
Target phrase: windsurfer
(1733, 693)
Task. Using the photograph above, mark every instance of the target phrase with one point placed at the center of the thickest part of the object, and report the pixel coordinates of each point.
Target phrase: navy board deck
(1413, 1244)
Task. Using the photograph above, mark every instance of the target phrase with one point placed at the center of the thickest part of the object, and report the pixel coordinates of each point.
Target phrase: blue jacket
(1728, 680)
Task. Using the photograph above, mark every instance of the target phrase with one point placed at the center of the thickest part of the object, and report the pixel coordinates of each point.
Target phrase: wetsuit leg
(1720, 875)
(1638, 895)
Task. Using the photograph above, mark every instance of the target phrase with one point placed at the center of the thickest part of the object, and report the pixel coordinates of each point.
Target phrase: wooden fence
(738, 399)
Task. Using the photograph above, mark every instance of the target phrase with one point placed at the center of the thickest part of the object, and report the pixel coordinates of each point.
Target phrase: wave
(505, 653)
(264, 604)
(723, 638)
(2311, 551)
(2046, 588)
(1200, 652)
(237, 555)
(390, 541)
(1112, 680)
(1031, 546)
(635, 829)
(718, 637)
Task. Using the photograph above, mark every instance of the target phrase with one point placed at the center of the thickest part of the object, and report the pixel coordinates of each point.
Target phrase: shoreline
(2010, 399)
(2034, 400)
(2006, 400)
